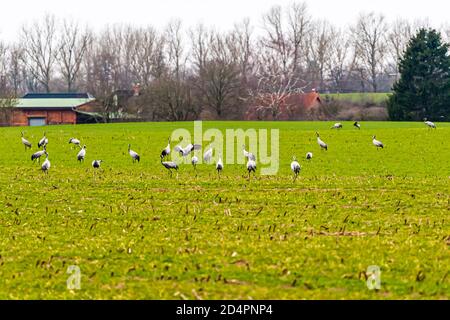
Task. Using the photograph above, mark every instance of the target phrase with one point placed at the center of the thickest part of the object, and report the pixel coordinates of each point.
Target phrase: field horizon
(135, 232)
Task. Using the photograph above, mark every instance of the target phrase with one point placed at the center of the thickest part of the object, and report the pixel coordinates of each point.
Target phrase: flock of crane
(207, 156)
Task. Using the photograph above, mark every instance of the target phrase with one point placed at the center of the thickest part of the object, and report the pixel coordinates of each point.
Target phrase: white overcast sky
(218, 13)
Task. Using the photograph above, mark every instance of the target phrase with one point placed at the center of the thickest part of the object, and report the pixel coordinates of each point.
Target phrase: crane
(337, 126)
(166, 150)
(188, 149)
(25, 142)
(219, 166)
(38, 155)
(295, 167)
(430, 124)
(43, 142)
(208, 155)
(74, 141)
(81, 154)
(322, 144)
(248, 155)
(133, 154)
(170, 165)
(251, 167)
(377, 143)
(46, 165)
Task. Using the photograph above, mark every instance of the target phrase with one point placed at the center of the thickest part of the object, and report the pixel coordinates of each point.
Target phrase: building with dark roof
(35, 109)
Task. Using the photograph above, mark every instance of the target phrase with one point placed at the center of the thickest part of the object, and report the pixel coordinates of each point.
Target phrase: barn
(294, 106)
(36, 109)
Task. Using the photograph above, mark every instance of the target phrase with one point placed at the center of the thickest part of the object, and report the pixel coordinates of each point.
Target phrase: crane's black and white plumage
(166, 150)
(133, 154)
(25, 142)
(46, 165)
(170, 165)
(295, 167)
(96, 164)
(194, 161)
(251, 166)
(219, 166)
(322, 144)
(74, 141)
(188, 149)
(43, 142)
(248, 155)
(207, 156)
(357, 125)
(377, 143)
(38, 155)
(430, 124)
(337, 126)
(309, 156)
(81, 154)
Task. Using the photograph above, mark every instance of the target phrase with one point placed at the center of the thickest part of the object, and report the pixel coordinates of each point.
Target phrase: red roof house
(292, 107)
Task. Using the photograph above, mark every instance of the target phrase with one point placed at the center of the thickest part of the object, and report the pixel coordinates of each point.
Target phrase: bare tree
(299, 22)
(39, 43)
(284, 40)
(319, 51)
(147, 55)
(240, 44)
(341, 61)
(7, 96)
(272, 93)
(170, 95)
(16, 69)
(217, 72)
(281, 58)
(370, 45)
(100, 65)
(73, 43)
(199, 46)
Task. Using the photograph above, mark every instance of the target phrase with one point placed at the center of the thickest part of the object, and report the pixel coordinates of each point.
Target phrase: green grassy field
(377, 97)
(136, 233)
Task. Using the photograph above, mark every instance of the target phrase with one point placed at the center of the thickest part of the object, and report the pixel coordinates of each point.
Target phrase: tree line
(184, 72)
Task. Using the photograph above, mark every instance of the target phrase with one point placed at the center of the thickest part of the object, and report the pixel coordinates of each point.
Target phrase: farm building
(36, 109)
(293, 106)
